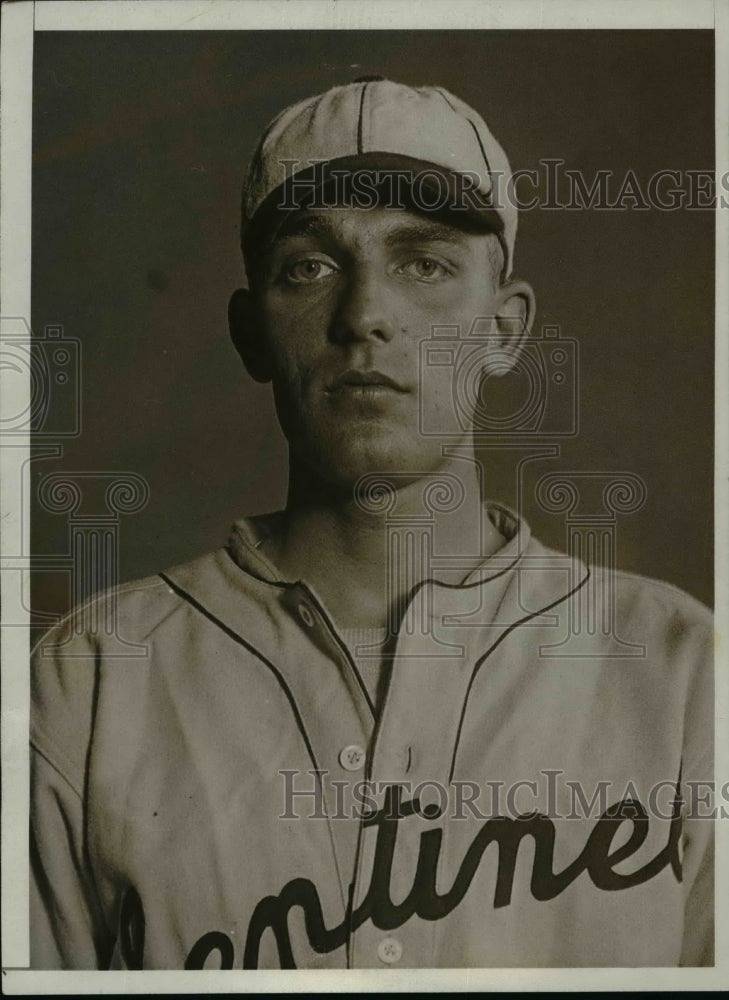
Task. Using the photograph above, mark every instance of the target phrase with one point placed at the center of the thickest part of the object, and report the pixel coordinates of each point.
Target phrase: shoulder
(659, 603)
(132, 610)
(637, 597)
(110, 626)
(113, 628)
(674, 629)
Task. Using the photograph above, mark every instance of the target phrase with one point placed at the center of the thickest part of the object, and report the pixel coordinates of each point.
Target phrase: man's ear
(247, 335)
(513, 322)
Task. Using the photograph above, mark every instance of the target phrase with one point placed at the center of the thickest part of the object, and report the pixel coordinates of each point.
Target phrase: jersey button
(352, 758)
(305, 614)
(389, 950)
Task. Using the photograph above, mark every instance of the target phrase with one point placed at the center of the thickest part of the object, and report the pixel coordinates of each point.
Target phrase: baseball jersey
(213, 788)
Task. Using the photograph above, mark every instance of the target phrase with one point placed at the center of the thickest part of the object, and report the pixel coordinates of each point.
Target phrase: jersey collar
(249, 533)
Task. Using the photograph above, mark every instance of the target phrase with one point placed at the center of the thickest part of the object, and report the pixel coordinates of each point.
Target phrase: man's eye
(308, 269)
(425, 267)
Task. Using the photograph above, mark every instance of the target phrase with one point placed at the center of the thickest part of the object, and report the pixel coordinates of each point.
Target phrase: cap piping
(473, 126)
(360, 120)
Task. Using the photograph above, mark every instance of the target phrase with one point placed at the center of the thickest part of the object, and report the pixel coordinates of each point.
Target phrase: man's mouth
(358, 379)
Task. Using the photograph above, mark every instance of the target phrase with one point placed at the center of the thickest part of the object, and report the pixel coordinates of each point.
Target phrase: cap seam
(475, 131)
(360, 120)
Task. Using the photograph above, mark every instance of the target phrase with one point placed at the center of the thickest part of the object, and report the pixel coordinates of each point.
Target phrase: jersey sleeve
(699, 804)
(67, 929)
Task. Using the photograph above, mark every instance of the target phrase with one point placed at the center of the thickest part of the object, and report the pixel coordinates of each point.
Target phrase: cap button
(368, 79)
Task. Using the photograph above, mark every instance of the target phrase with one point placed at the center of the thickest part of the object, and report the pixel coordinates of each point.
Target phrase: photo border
(19, 21)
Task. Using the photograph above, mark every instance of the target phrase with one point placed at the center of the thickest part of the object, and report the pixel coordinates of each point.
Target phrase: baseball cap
(426, 133)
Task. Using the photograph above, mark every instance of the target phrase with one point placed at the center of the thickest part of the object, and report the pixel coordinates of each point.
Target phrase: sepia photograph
(363, 496)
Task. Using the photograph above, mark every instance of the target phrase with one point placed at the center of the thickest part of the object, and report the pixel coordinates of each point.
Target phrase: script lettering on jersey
(424, 901)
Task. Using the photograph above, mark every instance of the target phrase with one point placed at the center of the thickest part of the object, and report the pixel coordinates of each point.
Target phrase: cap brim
(384, 179)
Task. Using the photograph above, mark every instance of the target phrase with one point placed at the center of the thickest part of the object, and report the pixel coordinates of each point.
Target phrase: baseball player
(385, 726)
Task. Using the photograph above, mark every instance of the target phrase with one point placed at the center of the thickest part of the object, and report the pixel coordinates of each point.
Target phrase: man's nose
(365, 309)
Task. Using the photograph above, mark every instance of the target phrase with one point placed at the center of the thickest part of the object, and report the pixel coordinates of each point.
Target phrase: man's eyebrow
(413, 232)
(304, 225)
(407, 233)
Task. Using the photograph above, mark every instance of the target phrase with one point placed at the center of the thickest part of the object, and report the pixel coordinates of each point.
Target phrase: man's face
(343, 303)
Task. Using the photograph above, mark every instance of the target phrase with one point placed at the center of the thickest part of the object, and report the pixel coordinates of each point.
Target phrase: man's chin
(361, 468)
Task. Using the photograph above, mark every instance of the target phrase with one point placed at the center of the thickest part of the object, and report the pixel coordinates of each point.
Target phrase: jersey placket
(413, 748)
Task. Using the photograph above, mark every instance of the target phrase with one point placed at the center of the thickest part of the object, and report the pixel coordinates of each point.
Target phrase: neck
(364, 555)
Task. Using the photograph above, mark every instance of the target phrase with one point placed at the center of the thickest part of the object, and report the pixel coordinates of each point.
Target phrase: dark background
(140, 144)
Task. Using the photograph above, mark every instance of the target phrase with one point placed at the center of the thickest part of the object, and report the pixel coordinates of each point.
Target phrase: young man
(384, 726)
